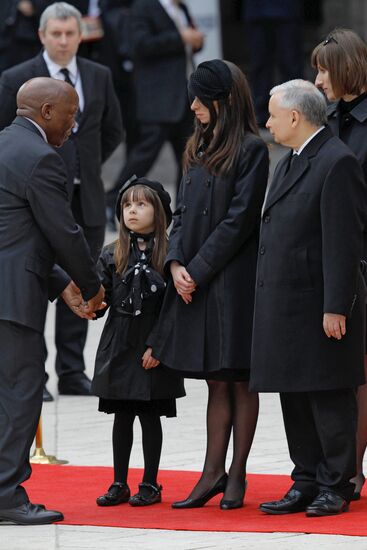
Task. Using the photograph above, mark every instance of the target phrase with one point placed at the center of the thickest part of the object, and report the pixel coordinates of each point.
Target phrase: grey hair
(60, 10)
(303, 96)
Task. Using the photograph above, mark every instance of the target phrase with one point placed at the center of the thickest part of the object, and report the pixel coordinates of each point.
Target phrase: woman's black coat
(215, 236)
(119, 373)
(353, 132)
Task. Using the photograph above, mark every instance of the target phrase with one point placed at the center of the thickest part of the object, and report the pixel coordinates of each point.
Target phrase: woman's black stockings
(230, 405)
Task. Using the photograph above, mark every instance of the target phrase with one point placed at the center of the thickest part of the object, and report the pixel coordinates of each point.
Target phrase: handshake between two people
(73, 298)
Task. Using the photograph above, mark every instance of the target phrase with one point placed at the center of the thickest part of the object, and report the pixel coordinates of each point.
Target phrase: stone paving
(90, 444)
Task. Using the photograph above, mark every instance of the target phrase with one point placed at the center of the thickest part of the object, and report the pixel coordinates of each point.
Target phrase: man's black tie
(66, 74)
(292, 161)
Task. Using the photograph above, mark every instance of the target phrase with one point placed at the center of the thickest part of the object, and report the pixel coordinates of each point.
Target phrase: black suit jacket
(99, 133)
(160, 64)
(308, 264)
(36, 226)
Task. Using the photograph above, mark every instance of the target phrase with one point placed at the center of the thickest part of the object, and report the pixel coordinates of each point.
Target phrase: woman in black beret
(205, 326)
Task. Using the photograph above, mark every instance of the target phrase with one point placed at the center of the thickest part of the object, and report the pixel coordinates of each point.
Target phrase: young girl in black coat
(127, 378)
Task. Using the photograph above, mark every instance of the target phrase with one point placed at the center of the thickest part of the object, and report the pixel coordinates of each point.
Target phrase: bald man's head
(51, 103)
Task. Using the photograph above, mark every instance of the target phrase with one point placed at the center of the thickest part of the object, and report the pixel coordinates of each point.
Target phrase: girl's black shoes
(233, 504)
(148, 494)
(219, 487)
(116, 494)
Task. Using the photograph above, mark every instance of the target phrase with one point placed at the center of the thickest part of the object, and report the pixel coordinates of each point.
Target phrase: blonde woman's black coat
(215, 236)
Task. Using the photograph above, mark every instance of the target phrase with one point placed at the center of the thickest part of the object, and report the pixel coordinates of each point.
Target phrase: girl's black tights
(231, 408)
(122, 439)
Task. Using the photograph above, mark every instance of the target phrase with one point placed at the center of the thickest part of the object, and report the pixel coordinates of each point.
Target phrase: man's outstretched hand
(74, 300)
(95, 303)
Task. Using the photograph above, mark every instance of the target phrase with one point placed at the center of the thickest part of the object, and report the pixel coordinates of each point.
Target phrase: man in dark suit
(164, 39)
(36, 227)
(97, 134)
(308, 336)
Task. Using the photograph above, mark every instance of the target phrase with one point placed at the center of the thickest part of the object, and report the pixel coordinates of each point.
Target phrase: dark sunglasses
(329, 39)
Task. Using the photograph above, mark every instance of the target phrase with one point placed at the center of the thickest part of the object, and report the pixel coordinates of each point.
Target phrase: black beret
(212, 80)
(155, 185)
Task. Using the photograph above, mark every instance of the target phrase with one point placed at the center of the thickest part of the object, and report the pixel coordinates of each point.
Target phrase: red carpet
(73, 490)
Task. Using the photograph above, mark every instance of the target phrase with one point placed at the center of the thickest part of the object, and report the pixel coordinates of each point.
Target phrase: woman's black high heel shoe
(219, 487)
(359, 480)
(232, 504)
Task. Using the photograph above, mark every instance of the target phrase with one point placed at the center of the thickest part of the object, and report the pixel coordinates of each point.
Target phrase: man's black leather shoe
(292, 502)
(327, 503)
(74, 385)
(29, 514)
(47, 396)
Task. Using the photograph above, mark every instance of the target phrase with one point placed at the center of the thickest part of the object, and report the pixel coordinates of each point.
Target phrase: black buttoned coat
(215, 235)
(354, 134)
(308, 264)
(119, 373)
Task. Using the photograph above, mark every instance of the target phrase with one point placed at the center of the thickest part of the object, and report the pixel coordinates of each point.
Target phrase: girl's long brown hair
(234, 118)
(122, 245)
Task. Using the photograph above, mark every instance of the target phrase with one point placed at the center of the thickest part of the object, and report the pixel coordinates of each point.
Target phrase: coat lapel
(164, 14)
(39, 66)
(283, 181)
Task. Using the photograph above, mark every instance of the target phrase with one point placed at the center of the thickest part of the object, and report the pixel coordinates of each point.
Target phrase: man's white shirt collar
(54, 68)
(299, 151)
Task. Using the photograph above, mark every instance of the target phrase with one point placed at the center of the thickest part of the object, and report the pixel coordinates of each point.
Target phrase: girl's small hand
(148, 360)
(182, 280)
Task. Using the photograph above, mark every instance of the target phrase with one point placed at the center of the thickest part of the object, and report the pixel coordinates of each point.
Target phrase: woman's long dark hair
(122, 245)
(233, 118)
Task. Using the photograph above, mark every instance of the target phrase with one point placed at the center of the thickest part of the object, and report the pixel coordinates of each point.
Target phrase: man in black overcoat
(164, 37)
(308, 338)
(97, 134)
(36, 227)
